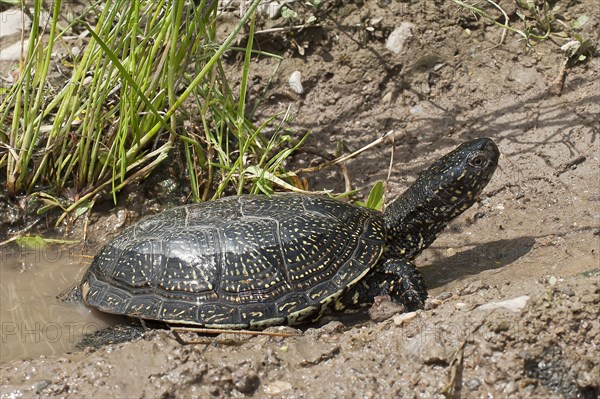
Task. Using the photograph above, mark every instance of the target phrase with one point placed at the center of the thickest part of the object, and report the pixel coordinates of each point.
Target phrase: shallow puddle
(33, 321)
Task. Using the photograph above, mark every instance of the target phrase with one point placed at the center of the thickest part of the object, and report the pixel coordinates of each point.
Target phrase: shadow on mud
(492, 255)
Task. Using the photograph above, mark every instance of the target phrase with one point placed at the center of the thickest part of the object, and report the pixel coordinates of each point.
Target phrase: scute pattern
(239, 262)
(251, 248)
(138, 263)
(154, 227)
(315, 249)
(188, 269)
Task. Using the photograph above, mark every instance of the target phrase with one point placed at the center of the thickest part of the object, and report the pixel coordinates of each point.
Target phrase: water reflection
(33, 321)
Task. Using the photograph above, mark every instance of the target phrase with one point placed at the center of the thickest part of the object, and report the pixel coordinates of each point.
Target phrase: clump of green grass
(121, 112)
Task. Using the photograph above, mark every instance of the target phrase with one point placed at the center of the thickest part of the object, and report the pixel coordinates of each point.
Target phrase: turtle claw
(409, 287)
(402, 281)
(399, 279)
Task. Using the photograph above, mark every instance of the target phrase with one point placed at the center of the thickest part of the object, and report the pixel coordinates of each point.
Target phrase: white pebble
(295, 82)
(401, 318)
(12, 22)
(398, 38)
(13, 52)
(276, 388)
(271, 9)
(514, 305)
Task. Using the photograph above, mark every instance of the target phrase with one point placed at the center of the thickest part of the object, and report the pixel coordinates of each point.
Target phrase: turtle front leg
(399, 279)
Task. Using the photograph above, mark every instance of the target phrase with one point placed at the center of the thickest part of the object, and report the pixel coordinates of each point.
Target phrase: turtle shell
(238, 262)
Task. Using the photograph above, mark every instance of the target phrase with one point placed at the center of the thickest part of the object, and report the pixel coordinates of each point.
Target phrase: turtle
(254, 261)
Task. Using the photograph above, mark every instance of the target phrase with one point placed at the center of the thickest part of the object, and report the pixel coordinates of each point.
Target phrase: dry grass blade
(343, 158)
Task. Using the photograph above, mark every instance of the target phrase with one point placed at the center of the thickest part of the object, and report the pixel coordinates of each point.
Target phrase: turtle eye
(478, 161)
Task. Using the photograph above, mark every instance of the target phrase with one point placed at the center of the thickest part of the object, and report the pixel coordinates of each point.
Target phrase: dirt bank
(533, 239)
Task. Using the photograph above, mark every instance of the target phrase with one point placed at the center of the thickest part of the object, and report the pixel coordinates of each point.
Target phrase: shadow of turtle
(488, 256)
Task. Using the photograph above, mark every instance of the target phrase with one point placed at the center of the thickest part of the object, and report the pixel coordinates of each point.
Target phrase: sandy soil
(514, 282)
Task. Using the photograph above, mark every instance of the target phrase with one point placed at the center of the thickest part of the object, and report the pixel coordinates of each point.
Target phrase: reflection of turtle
(253, 261)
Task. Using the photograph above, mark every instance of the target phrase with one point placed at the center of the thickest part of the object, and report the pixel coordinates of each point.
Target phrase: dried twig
(287, 28)
(215, 331)
(346, 157)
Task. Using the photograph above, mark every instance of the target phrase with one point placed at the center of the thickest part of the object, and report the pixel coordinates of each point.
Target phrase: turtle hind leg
(399, 279)
(131, 330)
(70, 295)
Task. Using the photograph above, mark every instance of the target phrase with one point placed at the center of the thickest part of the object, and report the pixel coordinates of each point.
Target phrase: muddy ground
(514, 282)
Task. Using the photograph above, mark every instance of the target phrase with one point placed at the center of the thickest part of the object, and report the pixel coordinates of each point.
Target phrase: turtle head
(441, 192)
(458, 178)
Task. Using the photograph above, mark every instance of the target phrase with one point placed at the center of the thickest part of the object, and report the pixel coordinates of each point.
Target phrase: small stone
(552, 281)
(376, 21)
(502, 326)
(383, 308)
(245, 381)
(387, 98)
(511, 388)
(12, 22)
(416, 110)
(490, 378)
(277, 388)
(438, 66)
(444, 295)
(404, 317)
(271, 9)
(514, 305)
(40, 386)
(432, 303)
(434, 353)
(473, 384)
(428, 349)
(399, 37)
(13, 52)
(315, 354)
(295, 82)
